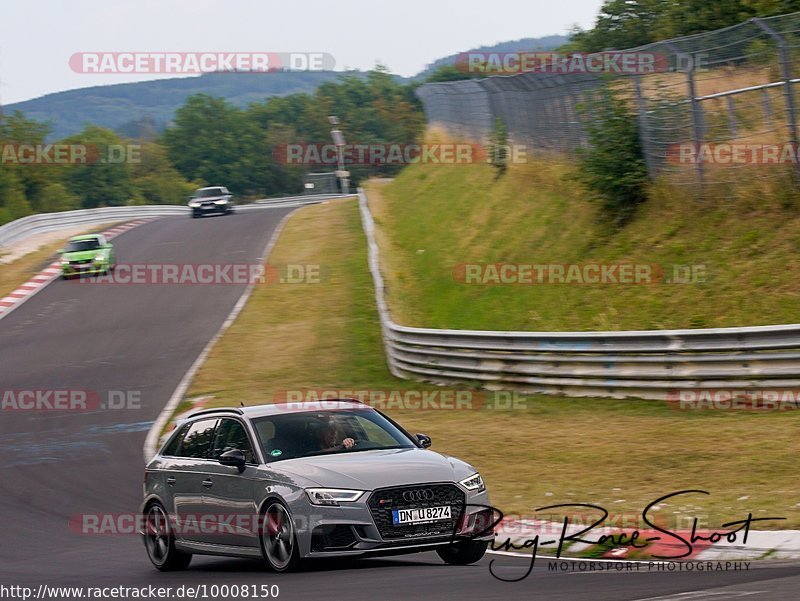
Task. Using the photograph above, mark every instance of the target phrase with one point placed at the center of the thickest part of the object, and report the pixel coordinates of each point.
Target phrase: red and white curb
(51, 272)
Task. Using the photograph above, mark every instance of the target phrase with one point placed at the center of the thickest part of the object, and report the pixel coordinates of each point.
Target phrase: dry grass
(21, 270)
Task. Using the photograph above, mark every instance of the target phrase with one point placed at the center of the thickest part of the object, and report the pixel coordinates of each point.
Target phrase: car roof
(210, 188)
(85, 237)
(280, 408)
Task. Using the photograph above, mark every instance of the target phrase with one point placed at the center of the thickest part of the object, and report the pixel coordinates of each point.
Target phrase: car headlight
(221, 201)
(194, 204)
(474, 483)
(332, 496)
(99, 257)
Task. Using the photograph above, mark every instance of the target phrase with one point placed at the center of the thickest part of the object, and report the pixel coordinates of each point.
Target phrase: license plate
(420, 515)
(208, 208)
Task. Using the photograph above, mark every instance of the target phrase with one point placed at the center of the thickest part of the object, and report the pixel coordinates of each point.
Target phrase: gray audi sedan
(288, 482)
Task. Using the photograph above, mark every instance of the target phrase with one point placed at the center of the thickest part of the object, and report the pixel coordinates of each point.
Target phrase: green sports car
(91, 254)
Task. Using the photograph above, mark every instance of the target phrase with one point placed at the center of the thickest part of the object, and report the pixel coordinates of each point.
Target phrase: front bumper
(211, 207)
(83, 269)
(365, 528)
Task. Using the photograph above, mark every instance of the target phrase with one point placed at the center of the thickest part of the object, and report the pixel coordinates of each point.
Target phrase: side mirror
(424, 440)
(233, 458)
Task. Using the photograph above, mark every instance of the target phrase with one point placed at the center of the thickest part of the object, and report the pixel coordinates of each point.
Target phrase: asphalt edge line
(52, 278)
(151, 442)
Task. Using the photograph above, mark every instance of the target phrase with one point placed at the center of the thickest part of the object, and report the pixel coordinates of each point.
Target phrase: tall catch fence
(709, 106)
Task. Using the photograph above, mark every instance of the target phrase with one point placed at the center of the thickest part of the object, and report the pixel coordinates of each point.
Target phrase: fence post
(732, 117)
(697, 110)
(786, 76)
(644, 128)
(697, 122)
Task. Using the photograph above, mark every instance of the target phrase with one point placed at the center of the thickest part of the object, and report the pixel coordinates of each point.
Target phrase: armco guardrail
(652, 364)
(47, 222)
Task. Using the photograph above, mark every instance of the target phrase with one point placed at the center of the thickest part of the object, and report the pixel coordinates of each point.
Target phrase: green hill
(123, 106)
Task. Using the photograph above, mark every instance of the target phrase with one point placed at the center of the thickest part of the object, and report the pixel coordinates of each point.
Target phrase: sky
(37, 39)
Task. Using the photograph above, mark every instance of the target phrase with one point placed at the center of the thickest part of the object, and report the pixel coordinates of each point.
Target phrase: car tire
(278, 538)
(463, 553)
(160, 543)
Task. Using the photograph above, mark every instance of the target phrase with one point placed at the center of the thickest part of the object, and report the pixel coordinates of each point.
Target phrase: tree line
(625, 24)
(209, 142)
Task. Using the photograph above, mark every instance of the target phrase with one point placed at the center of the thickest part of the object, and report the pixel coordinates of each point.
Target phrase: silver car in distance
(294, 481)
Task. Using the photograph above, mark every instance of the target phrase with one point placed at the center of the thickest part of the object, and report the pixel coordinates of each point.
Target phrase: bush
(613, 166)
(498, 148)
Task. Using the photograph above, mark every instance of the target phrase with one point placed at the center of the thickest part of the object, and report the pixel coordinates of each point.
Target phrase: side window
(171, 450)
(232, 435)
(198, 439)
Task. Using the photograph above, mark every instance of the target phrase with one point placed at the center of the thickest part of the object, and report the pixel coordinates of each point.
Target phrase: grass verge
(619, 454)
(22, 269)
(433, 218)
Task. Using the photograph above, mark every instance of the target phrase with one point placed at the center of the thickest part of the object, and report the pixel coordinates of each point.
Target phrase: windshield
(208, 192)
(79, 245)
(292, 435)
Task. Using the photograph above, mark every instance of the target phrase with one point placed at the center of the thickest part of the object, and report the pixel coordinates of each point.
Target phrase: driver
(328, 437)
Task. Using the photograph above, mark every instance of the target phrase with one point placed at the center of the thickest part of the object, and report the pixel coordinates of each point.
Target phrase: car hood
(80, 255)
(208, 199)
(368, 470)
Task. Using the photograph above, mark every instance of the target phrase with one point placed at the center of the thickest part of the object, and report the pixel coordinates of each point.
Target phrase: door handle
(171, 480)
(208, 483)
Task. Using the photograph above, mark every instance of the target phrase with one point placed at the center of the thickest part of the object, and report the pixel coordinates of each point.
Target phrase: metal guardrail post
(786, 76)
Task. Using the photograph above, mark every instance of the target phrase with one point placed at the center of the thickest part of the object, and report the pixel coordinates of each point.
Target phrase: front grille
(383, 501)
(331, 537)
(80, 262)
